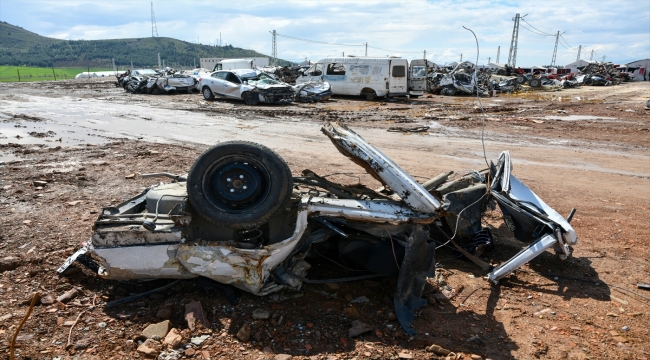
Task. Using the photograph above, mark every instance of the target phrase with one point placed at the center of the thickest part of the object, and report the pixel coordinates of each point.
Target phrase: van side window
(399, 71)
(335, 69)
(359, 70)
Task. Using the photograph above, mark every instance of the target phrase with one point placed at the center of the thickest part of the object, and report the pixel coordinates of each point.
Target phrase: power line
(565, 42)
(545, 33)
(337, 44)
(534, 32)
(395, 51)
(315, 41)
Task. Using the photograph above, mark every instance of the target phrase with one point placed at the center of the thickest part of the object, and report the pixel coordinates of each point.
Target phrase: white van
(369, 77)
(232, 64)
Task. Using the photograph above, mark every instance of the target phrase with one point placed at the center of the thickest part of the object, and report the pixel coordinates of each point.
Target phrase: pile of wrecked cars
(240, 218)
(147, 81)
(250, 85)
(461, 80)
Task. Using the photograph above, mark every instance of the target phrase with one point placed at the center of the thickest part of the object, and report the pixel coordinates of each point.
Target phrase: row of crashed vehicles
(239, 217)
(464, 78)
(253, 86)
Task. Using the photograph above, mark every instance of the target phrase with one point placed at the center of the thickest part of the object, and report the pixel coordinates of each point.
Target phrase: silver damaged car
(252, 86)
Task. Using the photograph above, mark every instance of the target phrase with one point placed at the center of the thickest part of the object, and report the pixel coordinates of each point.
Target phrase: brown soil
(601, 167)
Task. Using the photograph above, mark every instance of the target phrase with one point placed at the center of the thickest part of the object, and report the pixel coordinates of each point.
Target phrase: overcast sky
(619, 30)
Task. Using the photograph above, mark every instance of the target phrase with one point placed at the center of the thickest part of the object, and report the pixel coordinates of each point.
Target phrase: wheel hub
(238, 184)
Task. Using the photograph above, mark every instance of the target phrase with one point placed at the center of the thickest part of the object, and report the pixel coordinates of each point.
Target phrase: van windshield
(419, 71)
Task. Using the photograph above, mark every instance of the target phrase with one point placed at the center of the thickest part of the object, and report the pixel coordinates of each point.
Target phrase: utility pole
(366, 48)
(425, 54)
(131, 64)
(342, 55)
(163, 63)
(154, 28)
(461, 57)
(489, 60)
(159, 66)
(512, 56)
(592, 55)
(557, 38)
(579, 50)
(498, 53)
(274, 48)
(220, 43)
(113, 61)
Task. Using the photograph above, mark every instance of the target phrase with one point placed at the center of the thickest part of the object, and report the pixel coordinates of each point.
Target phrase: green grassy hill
(20, 47)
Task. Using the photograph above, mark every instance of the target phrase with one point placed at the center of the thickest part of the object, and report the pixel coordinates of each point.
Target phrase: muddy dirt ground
(586, 148)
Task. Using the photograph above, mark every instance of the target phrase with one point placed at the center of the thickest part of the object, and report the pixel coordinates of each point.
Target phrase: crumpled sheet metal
(313, 91)
(417, 266)
(372, 211)
(153, 261)
(526, 198)
(381, 167)
(246, 269)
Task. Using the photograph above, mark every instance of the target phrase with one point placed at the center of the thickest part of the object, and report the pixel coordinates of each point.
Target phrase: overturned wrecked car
(252, 86)
(239, 217)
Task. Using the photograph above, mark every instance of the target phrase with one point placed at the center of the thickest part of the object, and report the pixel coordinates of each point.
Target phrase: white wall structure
(638, 73)
(576, 64)
(496, 66)
(96, 74)
(209, 63)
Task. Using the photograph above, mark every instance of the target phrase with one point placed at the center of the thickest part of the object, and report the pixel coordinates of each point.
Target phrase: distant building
(208, 63)
(575, 66)
(496, 66)
(639, 68)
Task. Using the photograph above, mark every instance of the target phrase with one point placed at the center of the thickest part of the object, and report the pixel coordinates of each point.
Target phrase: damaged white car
(240, 218)
(252, 86)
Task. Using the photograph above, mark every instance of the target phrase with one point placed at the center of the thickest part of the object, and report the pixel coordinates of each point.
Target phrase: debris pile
(156, 82)
(463, 79)
(602, 74)
(287, 74)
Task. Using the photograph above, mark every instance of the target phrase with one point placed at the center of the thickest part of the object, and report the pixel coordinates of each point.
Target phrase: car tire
(239, 184)
(207, 93)
(370, 96)
(250, 98)
(521, 79)
(450, 91)
(589, 81)
(535, 82)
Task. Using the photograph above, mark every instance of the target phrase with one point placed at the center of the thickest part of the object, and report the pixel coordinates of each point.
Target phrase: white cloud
(619, 31)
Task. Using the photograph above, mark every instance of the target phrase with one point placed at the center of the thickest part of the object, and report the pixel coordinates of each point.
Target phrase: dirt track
(599, 165)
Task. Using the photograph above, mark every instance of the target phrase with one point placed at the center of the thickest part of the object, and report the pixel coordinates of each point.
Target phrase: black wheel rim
(237, 184)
